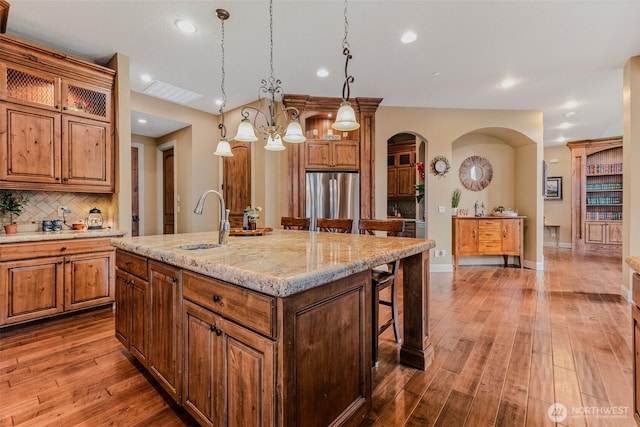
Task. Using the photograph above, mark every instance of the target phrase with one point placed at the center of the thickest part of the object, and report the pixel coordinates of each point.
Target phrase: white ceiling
(556, 50)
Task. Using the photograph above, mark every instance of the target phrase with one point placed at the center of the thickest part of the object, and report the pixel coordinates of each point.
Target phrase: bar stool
(335, 225)
(382, 279)
(291, 223)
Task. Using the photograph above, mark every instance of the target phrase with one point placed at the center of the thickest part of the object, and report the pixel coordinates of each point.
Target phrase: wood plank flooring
(508, 343)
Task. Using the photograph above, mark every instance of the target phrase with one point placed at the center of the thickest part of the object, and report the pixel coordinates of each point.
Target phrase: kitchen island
(267, 330)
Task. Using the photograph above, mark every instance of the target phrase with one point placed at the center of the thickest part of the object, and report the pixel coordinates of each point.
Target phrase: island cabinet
(488, 236)
(251, 359)
(132, 305)
(56, 112)
(41, 279)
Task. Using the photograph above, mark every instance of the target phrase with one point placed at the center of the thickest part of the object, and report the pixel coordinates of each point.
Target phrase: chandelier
(346, 117)
(223, 149)
(271, 111)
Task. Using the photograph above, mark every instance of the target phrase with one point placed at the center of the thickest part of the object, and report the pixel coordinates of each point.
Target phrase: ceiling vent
(170, 93)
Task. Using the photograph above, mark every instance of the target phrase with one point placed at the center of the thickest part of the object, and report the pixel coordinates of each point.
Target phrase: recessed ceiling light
(561, 139)
(571, 104)
(186, 26)
(565, 125)
(146, 78)
(322, 72)
(218, 101)
(570, 113)
(143, 121)
(436, 74)
(507, 83)
(408, 37)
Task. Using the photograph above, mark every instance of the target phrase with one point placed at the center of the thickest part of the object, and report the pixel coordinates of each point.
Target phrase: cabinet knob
(216, 298)
(216, 330)
(504, 233)
(62, 249)
(64, 108)
(174, 279)
(57, 107)
(59, 263)
(65, 179)
(57, 178)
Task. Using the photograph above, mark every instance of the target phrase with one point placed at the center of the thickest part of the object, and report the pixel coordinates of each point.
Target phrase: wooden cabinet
(164, 355)
(228, 368)
(42, 279)
(353, 151)
(635, 316)
(488, 236)
(334, 155)
(132, 304)
(596, 194)
(401, 172)
(55, 122)
(228, 371)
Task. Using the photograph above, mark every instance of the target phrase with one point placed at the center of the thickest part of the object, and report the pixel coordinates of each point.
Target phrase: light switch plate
(441, 209)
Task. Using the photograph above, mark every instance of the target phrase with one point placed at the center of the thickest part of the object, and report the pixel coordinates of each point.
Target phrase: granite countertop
(633, 262)
(279, 263)
(39, 236)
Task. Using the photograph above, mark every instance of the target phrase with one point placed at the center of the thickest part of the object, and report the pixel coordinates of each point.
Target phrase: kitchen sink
(198, 246)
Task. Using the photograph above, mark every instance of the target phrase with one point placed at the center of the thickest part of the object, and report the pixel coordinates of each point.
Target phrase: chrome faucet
(224, 215)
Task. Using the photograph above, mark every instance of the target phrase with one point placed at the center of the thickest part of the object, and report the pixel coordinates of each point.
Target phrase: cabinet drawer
(245, 307)
(16, 251)
(131, 263)
(489, 224)
(489, 235)
(485, 248)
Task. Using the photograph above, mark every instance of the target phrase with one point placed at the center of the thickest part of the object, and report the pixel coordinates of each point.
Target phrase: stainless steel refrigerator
(333, 195)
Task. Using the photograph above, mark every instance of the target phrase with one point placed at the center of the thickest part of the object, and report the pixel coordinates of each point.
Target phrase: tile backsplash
(43, 205)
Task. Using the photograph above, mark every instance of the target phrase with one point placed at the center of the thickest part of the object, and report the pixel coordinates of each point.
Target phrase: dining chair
(383, 277)
(334, 225)
(291, 223)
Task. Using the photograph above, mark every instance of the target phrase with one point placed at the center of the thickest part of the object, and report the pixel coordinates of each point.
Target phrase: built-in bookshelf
(597, 194)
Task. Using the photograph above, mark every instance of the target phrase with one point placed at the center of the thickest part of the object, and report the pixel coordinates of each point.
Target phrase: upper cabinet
(56, 131)
(596, 194)
(401, 170)
(329, 149)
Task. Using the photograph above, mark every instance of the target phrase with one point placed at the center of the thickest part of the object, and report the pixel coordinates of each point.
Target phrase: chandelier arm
(346, 90)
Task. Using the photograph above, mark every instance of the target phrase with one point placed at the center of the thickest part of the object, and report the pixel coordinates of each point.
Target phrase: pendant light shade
(274, 143)
(346, 118)
(246, 133)
(223, 149)
(294, 133)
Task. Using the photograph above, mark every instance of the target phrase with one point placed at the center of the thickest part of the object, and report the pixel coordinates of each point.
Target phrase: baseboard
(562, 245)
(441, 268)
(534, 265)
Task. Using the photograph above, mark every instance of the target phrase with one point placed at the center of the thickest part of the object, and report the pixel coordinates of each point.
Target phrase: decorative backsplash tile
(43, 205)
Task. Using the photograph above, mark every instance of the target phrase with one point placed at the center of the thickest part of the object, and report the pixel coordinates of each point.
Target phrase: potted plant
(455, 201)
(252, 214)
(14, 205)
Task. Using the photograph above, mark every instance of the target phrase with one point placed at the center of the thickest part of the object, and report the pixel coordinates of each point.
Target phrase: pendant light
(346, 117)
(270, 111)
(223, 149)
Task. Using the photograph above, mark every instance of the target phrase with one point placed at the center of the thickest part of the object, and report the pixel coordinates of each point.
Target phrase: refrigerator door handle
(333, 193)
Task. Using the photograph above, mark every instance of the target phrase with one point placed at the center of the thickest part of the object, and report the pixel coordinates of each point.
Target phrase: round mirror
(475, 173)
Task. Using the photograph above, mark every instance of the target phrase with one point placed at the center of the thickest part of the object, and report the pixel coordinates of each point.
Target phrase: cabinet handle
(504, 233)
(62, 249)
(57, 178)
(127, 263)
(216, 330)
(59, 263)
(174, 279)
(474, 233)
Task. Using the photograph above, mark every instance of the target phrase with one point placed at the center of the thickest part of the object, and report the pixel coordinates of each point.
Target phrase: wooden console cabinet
(56, 130)
(488, 236)
(41, 279)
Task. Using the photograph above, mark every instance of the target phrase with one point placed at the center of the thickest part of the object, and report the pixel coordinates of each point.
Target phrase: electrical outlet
(62, 210)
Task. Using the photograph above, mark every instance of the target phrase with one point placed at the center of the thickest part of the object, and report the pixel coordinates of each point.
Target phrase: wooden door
(88, 280)
(31, 289)
(123, 307)
(346, 155)
(30, 148)
(614, 233)
(139, 330)
(595, 232)
(317, 155)
(237, 181)
(406, 181)
(164, 330)
(167, 192)
(392, 181)
(135, 193)
(87, 153)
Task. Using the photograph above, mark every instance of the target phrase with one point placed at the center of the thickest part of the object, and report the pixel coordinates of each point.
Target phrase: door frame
(159, 185)
(141, 203)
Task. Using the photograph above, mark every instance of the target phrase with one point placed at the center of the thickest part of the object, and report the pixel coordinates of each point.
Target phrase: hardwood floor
(508, 343)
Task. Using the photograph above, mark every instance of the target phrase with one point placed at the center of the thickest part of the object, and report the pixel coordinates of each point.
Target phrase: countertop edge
(633, 262)
(40, 236)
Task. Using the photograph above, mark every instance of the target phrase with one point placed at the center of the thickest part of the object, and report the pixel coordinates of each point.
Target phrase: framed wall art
(553, 188)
